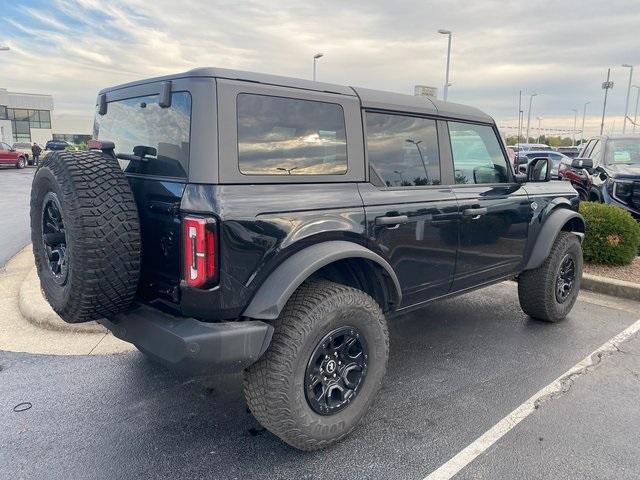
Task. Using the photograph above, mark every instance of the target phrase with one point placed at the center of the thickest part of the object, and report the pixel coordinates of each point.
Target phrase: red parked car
(10, 156)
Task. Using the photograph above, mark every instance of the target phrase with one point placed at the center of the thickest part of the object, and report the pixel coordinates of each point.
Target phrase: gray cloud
(559, 49)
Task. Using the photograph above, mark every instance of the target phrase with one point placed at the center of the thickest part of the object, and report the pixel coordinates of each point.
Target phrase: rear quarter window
(290, 136)
(149, 140)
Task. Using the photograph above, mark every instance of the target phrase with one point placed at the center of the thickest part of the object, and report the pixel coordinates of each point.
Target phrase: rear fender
(276, 290)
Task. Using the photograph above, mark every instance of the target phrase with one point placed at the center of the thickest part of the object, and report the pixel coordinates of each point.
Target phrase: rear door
(495, 211)
(411, 216)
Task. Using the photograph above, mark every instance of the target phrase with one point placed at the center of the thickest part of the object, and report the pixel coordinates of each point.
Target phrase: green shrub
(612, 235)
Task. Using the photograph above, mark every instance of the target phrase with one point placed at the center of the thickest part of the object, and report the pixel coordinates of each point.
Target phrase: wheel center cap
(331, 366)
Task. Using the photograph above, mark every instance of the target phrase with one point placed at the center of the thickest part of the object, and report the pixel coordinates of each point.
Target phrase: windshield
(149, 139)
(623, 152)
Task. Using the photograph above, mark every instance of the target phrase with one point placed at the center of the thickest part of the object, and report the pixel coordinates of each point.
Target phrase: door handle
(393, 220)
(474, 212)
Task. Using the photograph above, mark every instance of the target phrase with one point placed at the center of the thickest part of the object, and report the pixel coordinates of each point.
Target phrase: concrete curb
(36, 310)
(610, 286)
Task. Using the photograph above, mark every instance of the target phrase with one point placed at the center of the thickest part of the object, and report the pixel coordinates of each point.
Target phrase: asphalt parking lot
(456, 369)
(15, 186)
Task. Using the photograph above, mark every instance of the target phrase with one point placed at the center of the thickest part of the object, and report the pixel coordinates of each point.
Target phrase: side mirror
(585, 163)
(521, 160)
(539, 170)
(521, 177)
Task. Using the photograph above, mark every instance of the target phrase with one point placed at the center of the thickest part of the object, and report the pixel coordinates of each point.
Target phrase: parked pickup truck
(235, 221)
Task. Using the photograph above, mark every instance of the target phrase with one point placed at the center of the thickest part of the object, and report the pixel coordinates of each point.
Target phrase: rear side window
(288, 136)
(403, 150)
(149, 140)
(477, 156)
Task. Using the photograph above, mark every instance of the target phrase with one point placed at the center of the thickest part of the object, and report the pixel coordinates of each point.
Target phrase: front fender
(553, 224)
(276, 290)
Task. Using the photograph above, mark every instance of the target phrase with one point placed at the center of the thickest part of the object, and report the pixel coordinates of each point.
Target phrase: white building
(25, 117)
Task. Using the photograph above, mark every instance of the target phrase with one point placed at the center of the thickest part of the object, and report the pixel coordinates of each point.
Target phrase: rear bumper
(190, 345)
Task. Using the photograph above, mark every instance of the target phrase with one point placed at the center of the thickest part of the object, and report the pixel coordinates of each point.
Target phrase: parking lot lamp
(539, 128)
(575, 121)
(315, 59)
(626, 104)
(445, 92)
(605, 86)
(584, 114)
(529, 116)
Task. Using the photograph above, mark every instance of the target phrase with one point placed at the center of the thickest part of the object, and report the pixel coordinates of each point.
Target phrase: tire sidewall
(328, 316)
(570, 246)
(56, 294)
(21, 163)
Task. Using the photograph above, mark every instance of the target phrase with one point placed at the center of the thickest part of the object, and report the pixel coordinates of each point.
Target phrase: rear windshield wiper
(140, 153)
(131, 157)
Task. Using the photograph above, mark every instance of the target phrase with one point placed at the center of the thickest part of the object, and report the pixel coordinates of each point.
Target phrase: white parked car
(25, 149)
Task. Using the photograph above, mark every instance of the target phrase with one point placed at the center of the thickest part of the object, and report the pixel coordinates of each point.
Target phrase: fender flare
(276, 290)
(554, 223)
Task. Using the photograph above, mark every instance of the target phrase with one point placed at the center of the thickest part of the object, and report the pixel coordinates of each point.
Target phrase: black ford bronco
(233, 221)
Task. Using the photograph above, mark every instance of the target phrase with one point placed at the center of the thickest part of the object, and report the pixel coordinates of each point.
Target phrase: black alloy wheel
(336, 370)
(54, 238)
(565, 279)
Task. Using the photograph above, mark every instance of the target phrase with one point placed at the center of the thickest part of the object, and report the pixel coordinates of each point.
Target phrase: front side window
(595, 153)
(289, 136)
(149, 140)
(477, 156)
(403, 150)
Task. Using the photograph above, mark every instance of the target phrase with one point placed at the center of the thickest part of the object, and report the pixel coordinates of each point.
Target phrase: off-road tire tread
(536, 290)
(271, 405)
(102, 225)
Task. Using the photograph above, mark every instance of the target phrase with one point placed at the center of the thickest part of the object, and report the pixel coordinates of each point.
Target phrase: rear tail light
(200, 255)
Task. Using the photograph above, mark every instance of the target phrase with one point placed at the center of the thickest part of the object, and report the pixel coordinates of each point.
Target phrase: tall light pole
(529, 115)
(605, 86)
(584, 114)
(626, 104)
(635, 115)
(539, 127)
(445, 92)
(315, 59)
(519, 115)
(575, 121)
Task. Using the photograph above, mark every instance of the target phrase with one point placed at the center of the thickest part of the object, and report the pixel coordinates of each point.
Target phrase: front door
(494, 210)
(5, 154)
(412, 219)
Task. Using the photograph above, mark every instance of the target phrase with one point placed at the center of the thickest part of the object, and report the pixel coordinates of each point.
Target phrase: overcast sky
(560, 49)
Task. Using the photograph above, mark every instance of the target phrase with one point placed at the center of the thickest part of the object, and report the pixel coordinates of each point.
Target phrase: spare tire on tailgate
(86, 235)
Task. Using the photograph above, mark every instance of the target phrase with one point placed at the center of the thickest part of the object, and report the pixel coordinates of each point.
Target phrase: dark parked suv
(607, 170)
(232, 221)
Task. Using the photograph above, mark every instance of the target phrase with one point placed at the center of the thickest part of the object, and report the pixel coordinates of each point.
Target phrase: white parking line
(491, 436)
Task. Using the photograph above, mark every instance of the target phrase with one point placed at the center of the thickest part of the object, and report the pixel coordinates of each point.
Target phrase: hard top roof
(376, 99)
